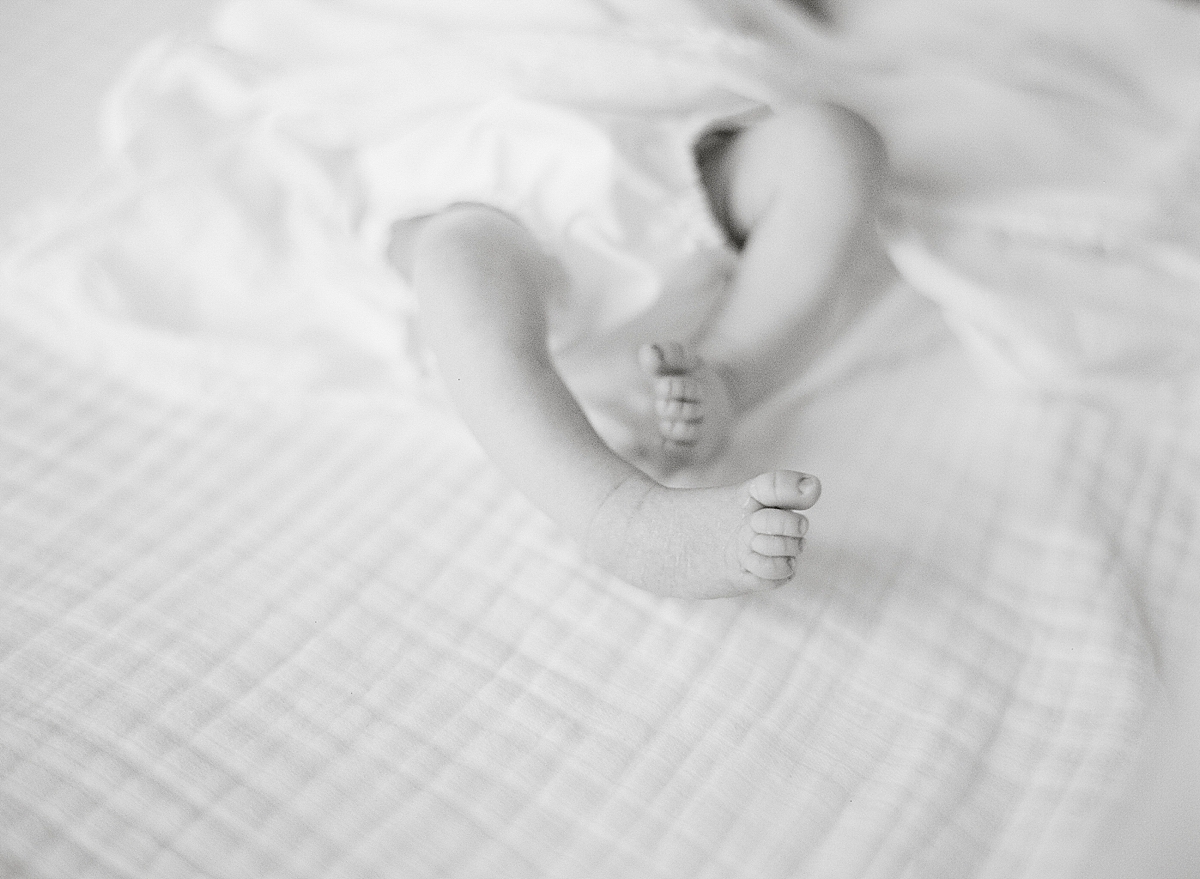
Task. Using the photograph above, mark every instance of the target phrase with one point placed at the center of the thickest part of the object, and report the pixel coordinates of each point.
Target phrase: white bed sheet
(58, 60)
(315, 634)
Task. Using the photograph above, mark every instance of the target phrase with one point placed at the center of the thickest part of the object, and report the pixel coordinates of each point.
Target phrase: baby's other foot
(691, 402)
(705, 542)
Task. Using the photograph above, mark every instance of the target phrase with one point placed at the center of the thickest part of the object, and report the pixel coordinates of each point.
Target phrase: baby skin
(800, 189)
(483, 284)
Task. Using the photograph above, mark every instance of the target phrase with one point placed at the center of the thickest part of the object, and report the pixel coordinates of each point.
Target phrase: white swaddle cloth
(1048, 164)
(263, 167)
(1045, 198)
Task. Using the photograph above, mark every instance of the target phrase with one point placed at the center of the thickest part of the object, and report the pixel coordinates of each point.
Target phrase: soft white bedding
(266, 610)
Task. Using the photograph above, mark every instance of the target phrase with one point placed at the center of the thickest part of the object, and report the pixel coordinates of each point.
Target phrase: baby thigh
(814, 164)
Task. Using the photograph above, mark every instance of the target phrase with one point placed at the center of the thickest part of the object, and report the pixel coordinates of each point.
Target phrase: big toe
(665, 358)
(783, 489)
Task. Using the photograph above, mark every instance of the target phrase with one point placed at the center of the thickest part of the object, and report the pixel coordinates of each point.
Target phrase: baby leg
(798, 191)
(483, 284)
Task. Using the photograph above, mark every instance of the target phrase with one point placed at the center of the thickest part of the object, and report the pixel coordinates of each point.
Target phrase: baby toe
(785, 523)
(665, 358)
(680, 410)
(788, 489)
(776, 545)
(677, 387)
(686, 432)
(675, 357)
(650, 358)
(771, 568)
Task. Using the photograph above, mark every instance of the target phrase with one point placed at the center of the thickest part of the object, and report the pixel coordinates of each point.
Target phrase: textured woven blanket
(266, 609)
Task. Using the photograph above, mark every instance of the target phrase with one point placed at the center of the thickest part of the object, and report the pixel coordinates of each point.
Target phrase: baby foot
(692, 404)
(705, 542)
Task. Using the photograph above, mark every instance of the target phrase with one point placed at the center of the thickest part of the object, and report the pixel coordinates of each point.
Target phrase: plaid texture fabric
(325, 639)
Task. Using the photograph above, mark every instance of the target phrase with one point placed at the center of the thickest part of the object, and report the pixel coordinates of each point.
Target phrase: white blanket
(265, 608)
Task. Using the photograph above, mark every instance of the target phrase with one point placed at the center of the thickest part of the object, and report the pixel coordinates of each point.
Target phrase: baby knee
(836, 137)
